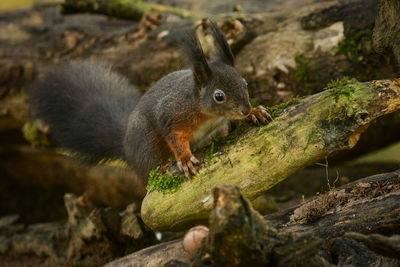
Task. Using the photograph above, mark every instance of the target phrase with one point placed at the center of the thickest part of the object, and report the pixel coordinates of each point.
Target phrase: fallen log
(303, 134)
(369, 205)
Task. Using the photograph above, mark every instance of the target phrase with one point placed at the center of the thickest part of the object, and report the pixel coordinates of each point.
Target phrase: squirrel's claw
(267, 115)
(191, 168)
(194, 160)
(179, 164)
(183, 168)
(259, 114)
(254, 119)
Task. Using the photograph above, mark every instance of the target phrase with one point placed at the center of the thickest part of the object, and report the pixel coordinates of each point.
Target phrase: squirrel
(96, 112)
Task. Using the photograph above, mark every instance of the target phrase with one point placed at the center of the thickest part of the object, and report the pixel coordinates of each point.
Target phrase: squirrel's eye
(219, 96)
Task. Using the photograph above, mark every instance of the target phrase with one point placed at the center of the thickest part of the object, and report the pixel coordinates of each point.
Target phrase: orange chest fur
(185, 129)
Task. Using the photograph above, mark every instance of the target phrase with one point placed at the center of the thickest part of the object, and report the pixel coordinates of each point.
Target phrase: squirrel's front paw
(259, 114)
(185, 165)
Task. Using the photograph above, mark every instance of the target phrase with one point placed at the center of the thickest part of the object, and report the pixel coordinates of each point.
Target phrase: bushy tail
(87, 106)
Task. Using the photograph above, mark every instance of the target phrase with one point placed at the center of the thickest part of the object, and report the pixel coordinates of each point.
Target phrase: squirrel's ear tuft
(224, 51)
(193, 50)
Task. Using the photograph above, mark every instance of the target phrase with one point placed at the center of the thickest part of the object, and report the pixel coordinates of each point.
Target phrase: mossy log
(303, 134)
(131, 9)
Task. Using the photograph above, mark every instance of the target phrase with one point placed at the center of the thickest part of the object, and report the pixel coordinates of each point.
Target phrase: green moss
(166, 183)
(309, 138)
(220, 140)
(343, 87)
(303, 75)
(285, 148)
(34, 135)
(347, 92)
(350, 46)
(255, 103)
(210, 155)
(274, 111)
(367, 64)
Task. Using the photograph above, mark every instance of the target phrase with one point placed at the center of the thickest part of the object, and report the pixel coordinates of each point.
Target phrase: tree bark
(303, 134)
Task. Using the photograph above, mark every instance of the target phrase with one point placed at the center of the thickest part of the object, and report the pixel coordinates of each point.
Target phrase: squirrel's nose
(245, 110)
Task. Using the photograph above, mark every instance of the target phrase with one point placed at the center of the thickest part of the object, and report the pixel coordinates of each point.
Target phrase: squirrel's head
(222, 90)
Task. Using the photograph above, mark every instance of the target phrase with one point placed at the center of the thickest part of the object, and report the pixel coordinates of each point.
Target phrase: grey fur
(87, 106)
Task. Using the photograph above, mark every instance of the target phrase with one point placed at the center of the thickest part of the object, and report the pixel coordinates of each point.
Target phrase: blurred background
(284, 49)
